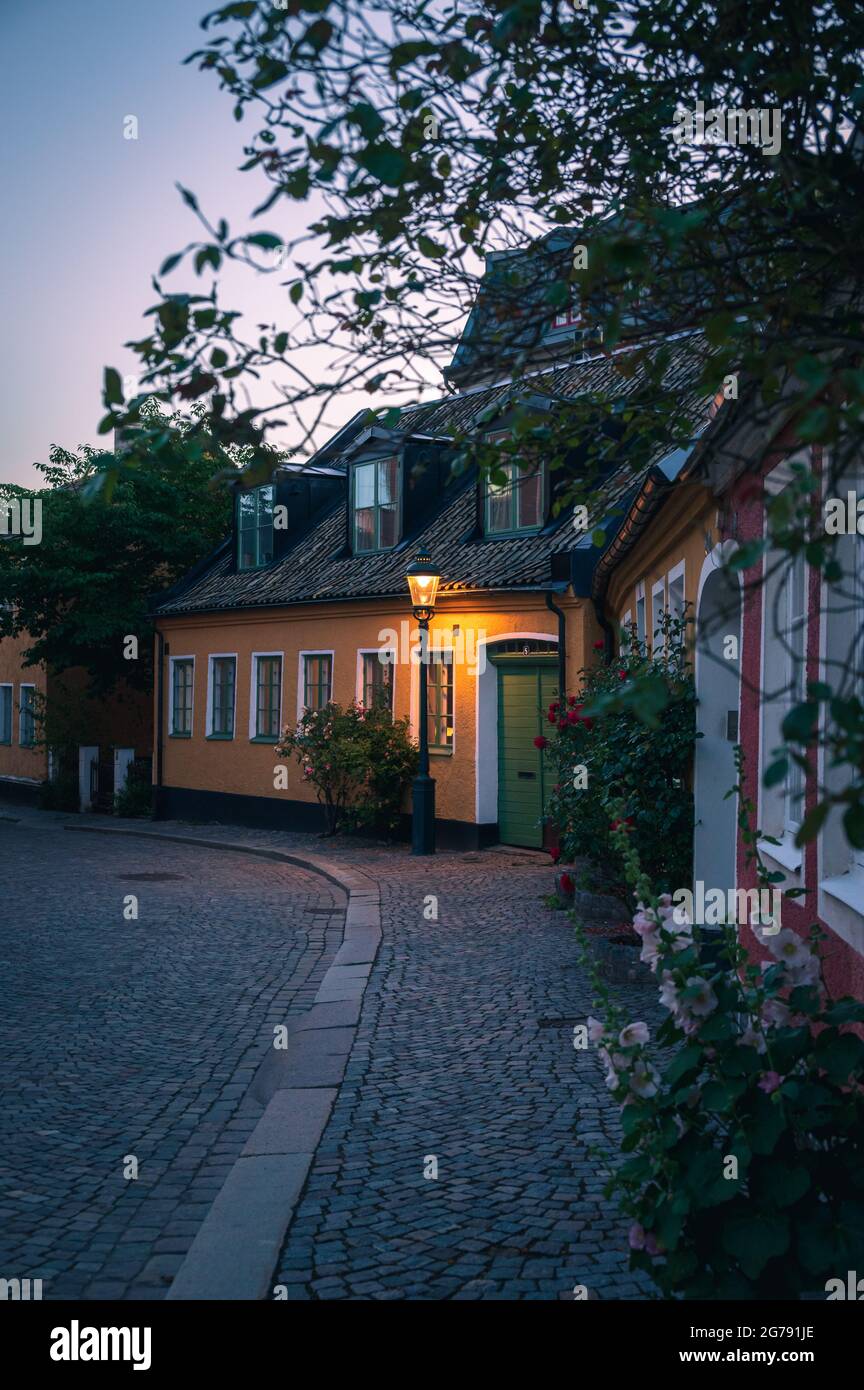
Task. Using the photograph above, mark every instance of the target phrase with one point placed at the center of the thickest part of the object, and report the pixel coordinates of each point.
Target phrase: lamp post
(423, 580)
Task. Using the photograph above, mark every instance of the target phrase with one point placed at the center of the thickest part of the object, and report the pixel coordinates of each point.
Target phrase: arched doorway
(718, 688)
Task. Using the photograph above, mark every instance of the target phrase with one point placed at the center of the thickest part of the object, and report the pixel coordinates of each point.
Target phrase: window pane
(5, 714)
(268, 701)
(317, 675)
(529, 488)
(387, 524)
(364, 486)
(500, 507)
(223, 695)
(377, 681)
(439, 700)
(364, 529)
(386, 482)
(255, 527)
(182, 698)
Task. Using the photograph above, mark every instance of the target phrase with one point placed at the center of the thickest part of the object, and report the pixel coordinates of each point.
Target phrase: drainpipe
(562, 643)
(160, 716)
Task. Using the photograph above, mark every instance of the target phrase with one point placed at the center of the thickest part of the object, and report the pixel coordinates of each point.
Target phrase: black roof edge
(155, 601)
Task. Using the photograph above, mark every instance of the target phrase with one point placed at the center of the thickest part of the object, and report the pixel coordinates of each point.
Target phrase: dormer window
(255, 528)
(517, 503)
(376, 505)
(569, 317)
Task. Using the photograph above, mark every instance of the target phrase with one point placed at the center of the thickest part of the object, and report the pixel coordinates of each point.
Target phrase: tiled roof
(317, 567)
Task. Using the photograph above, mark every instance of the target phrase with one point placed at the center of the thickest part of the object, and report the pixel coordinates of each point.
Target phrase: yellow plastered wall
(241, 767)
(16, 761)
(682, 531)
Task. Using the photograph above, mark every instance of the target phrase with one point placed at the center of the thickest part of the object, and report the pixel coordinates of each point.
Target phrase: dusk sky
(89, 216)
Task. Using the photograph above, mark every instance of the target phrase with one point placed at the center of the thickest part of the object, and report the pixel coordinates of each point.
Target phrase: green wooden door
(525, 692)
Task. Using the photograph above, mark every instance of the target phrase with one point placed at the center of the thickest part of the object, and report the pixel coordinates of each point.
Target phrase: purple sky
(89, 216)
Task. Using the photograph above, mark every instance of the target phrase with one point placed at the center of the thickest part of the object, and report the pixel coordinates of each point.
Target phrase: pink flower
(705, 1000)
(770, 1081)
(596, 1030)
(633, 1034)
(775, 1013)
(751, 1038)
(636, 1237)
(643, 1080)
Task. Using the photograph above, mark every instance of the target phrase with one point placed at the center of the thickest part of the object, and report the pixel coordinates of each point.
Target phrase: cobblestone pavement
(459, 1057)
(135, 1038)
(464, 1053)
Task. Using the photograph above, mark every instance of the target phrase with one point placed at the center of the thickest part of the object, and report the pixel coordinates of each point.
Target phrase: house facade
(308, 601)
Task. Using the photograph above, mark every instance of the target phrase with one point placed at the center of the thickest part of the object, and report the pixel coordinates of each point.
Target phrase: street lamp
(423, 580)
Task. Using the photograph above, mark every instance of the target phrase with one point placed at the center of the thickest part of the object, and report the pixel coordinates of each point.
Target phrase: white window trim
(677, 572)
(840, 896)
(171, 662)
(253, 694)
(7, 685)
(658, 587)
(220, 656)
(24, 685)
(640, 598)
(301, 671)
(358, 683)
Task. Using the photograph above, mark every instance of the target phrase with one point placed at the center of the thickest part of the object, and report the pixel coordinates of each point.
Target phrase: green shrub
(632, 729)
(61, 794)
(359, 761)
(743, 1119)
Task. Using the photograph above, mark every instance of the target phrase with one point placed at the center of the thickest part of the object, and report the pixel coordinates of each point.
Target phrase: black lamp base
(423, 815)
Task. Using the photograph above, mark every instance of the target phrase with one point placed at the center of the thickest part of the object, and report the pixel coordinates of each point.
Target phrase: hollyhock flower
(633, 1034)
(751, 1038)
(643, 1080)
(541, 742)
(776, 1013)
(556, 854)
(652, 1245)
(596, 1030)
(668, 995)
(650, 953)
(636, 1237)
(566, 884)
(770, 1082)
(705, 1001)
(789, 948)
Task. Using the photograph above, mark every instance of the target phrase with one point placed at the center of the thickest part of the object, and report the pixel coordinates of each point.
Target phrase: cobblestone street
(141, 1038)
(135, 1038)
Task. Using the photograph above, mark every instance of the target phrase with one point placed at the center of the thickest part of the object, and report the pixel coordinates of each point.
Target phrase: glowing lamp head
(423, 580)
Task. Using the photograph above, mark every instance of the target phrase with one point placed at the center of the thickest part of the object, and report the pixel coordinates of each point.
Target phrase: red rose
(598, 646)
(626, 824)
(572, 700)
(553, 718)
(556, 854)
(566, 884)
(573, 717)
(554, 707)
(589, 723)
(562, 724)
(622, 675)
(541, 742)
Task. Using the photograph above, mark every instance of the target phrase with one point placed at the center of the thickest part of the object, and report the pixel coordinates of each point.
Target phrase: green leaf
(266, 240)
(747, 555)
(385, 163)
(812, 823)
(113, 389)
(776, 772)
(430, 248)
(755, 1239)
(853, 824)
(169, 264)
(295, 294)
(798, 725)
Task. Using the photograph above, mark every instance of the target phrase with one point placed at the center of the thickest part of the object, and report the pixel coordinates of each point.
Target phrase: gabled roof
(317, 569)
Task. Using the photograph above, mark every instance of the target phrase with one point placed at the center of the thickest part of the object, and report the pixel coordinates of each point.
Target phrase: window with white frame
(5, 713)
(658, 596)
(376, 679)
(794, 619)
(640, 613)
(841, 887)
(27, 716)
(267, 693)
(255, 527)
(677, 591)
(439, 701)
(376, 505)
(317, 679)
(516, 502)
(182, 687)
(222, 702)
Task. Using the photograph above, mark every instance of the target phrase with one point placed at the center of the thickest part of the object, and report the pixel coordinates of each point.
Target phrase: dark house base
(11, 789)
(272, 813)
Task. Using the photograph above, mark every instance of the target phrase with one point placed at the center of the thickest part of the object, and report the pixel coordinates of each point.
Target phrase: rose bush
(359, 760)
(743, 1118)
(632, 728)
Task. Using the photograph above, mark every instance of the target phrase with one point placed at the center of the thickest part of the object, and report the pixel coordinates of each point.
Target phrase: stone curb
(237, 1247)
